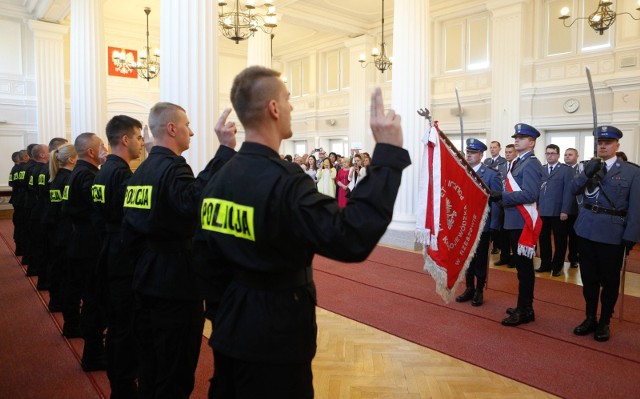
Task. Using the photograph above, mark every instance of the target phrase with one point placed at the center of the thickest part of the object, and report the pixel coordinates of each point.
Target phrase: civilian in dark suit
(495, 162)
(571, 159)
(554, 204)
(503, 236)
(478, 267)
(608, 226)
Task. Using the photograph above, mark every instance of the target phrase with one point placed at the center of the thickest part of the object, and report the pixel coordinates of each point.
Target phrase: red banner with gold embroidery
(452, 212)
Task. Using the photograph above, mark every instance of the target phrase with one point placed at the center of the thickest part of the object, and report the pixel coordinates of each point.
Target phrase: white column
(506, 59)
(259, 52)
(189, 74)
(49, 60)
(360, 81)
(410, 91)
(88, 68)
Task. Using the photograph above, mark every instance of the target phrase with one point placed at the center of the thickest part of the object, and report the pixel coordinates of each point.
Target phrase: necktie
(604, 169)
(550, 169)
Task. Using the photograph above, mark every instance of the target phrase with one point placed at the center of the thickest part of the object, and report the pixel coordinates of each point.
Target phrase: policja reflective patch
(65, 193)
(227, 217)
(41, 179)
(97, 192)
(138, 197)
(55, 196)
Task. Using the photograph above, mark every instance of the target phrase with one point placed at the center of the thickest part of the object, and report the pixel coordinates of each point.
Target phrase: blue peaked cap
(608, 132)
(522, 129)
(476, 145)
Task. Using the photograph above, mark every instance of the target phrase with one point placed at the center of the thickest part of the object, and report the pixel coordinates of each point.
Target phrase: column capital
(47, 29)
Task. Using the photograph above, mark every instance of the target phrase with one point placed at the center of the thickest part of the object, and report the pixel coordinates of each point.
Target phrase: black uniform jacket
(30, 186)
(78, 207)
(108, 197)
(41, 182)
(264, 220)
(53, 215)
(13, 176)
(160, 217)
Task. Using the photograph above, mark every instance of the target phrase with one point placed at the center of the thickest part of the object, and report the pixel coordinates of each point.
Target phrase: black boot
(588, 326)
(477, 298)
(93, 355)
(467, 295)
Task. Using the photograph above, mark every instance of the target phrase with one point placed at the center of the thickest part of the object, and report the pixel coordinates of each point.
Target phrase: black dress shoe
(477, 298)
(467, 295)
(518, 317)
(602, 333)
(574, 265)
(530, 312)
(501, 262)
(557, 273)
(588, 326)
(542, 269)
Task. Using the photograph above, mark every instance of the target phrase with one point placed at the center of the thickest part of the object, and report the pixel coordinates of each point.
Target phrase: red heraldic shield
(452, 211)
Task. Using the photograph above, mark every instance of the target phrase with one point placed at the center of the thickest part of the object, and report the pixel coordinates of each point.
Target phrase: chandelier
(380, 59)
(600, 20)
(236, 24)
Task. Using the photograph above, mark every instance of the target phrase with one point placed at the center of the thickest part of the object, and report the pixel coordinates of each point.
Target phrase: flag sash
(532, 222)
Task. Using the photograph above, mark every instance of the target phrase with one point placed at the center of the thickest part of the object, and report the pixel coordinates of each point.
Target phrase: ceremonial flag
(452, 209)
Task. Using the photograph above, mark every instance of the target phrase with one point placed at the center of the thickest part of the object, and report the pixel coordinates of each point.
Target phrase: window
(466, 44)
(578, 38)
(581, 140)
(337, 70)
(299, 81)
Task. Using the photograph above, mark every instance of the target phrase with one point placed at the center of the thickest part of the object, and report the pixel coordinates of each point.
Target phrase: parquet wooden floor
(355, 361)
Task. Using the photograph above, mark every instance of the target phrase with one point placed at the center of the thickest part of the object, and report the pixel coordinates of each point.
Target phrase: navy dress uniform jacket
(492, 179)
(160, 217)
(264, 220)
(528, 174)
(497, 164)
(622, 185)
(556, 195)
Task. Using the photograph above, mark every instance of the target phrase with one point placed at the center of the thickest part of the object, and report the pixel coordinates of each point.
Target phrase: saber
(624, 270)
(461, 125)
(594, 111)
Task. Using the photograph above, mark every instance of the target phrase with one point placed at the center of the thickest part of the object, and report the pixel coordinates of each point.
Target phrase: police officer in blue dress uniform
(554, 205)
(264, 220)
(608, 225)
(477, 271)
(527, 173)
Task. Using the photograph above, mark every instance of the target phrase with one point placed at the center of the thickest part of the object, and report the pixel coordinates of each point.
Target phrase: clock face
(571, 105)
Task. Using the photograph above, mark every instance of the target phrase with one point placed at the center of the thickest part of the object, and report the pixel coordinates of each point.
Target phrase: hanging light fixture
(148, 65)
(236, 24)
(600, 20)
(380, 59)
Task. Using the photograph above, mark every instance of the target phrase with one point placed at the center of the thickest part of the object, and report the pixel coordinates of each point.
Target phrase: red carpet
(35, 360)
(390, 292)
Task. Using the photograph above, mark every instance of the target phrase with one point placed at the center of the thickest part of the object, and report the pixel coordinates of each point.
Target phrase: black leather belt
(274, 281)
(607, 211)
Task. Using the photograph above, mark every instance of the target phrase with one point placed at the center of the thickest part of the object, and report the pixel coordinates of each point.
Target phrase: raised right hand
(226, 131)
(386, 129)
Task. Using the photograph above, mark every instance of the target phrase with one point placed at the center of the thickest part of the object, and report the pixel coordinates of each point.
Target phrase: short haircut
(15, 157)
(24, 155)
(83, 142)
(510, 146)
(554, 147)
(30, 149)
(572, 149)
(251, 91)
(39, 150)
(496, 142)
(160, 115)
(56, 142)
(119, 126)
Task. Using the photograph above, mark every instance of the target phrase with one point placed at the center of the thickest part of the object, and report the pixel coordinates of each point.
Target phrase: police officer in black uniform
(608, 224)
(61, 162)
(83, 250)
(39, 237)
(264, 220)
(125, 139)
(160, 217)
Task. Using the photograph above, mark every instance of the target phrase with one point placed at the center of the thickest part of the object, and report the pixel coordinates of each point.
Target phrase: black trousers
(19, 221)
(478, 266)
(239, 379)
(553, 259)
(600, 266)
(121, 346)
(505, 245)
(169, 336)
(526, 275)
(572, 239)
